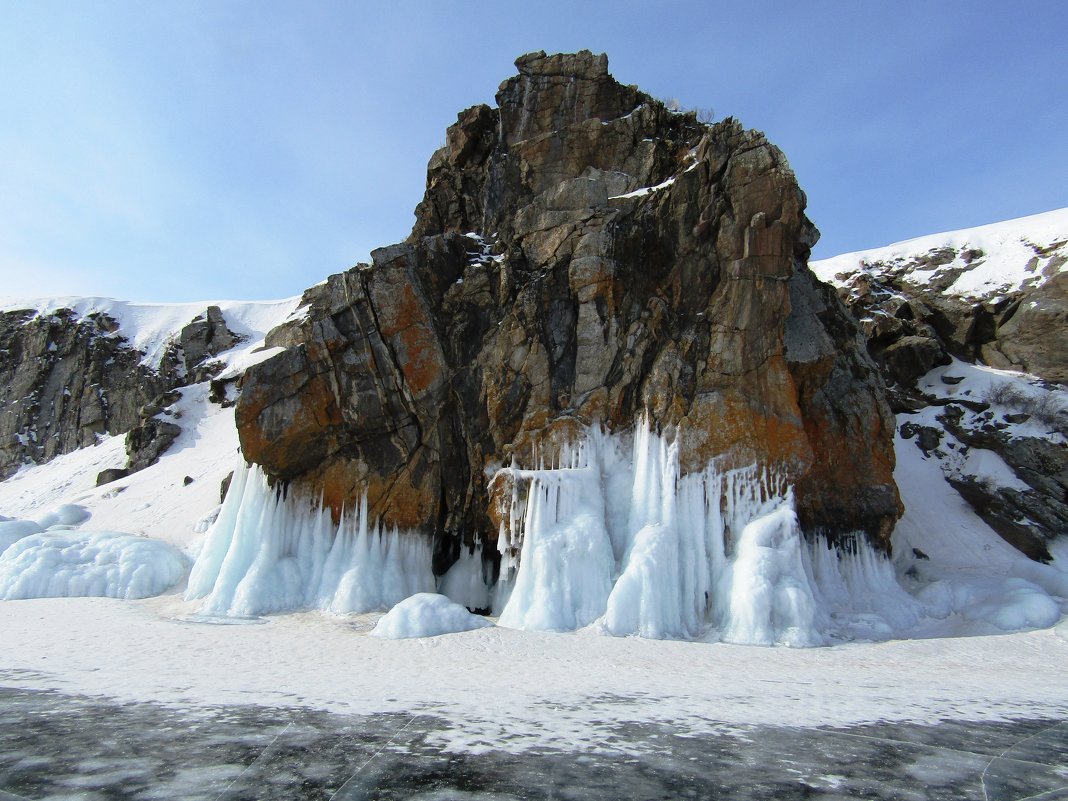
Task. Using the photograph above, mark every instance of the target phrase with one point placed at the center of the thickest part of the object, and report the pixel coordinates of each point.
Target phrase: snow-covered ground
(511, 690)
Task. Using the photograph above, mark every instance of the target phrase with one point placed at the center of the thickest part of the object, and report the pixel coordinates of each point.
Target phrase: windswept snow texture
(63, 563)
(265, 554)
(426, 614)
(978, 262)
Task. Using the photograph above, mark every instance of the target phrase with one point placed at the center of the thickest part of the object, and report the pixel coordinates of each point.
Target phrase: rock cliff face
(66, 379)
(582, 255)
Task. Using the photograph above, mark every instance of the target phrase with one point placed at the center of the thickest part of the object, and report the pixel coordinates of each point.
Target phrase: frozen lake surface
(59, 746)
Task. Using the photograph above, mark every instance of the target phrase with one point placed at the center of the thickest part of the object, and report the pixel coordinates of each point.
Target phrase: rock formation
(65, 380)
(582, 254)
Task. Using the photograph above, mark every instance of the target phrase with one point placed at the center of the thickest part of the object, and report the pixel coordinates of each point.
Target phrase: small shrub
(1043, 407)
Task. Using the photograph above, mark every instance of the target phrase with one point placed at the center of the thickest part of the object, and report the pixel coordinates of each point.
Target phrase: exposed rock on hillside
(582, 254)
(67, 379)
(996, 295)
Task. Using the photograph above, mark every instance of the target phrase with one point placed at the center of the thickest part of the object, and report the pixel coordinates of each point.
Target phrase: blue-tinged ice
(426, 615)
(267, 554)
(65, 563)
(616, 537)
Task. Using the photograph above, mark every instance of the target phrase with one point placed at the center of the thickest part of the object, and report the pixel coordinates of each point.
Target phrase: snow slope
(157, 501)
(991, 260)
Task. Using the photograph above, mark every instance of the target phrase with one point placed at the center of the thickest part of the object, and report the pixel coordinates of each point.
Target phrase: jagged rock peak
(562, 117)
(582, 64)
(582, 255)
(553, 92)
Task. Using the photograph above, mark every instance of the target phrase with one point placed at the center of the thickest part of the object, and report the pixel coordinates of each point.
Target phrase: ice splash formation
(612, 535)
(265, 554)
(629, 543)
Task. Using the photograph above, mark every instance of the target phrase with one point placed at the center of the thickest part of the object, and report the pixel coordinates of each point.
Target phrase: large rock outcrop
(582, 255)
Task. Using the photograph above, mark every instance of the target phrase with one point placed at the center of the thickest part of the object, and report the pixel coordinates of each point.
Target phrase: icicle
(266, 554)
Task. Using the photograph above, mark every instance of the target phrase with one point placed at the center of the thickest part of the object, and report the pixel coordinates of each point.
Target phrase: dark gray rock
(64, 382)
(111, 474)
(147, 441)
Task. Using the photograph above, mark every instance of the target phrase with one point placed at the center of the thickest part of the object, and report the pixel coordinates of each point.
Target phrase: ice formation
(612, 536)
(11, 531)
(465, 582)
(266, 554)
(64, 563)
(426, 614)
(628, 542)
(67, 514)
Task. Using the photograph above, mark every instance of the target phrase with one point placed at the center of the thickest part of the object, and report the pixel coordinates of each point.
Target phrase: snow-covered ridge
(980, 263)
(150, 327)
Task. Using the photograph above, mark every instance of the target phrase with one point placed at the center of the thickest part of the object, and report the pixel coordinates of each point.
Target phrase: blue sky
(200, 150)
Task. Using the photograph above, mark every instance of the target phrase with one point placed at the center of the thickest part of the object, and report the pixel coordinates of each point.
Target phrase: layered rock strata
(582, 255)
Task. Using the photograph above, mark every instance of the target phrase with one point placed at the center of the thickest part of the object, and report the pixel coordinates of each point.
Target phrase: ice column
(266, 554)
(617, 535)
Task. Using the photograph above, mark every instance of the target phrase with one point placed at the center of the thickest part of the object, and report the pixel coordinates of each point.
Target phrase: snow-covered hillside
(611, 539)
(980, 263)
(172, 500)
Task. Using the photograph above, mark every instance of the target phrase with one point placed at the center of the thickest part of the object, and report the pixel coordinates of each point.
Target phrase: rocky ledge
(68, 379)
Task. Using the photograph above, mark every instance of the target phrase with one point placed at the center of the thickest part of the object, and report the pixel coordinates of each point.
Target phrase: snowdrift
(426, 614)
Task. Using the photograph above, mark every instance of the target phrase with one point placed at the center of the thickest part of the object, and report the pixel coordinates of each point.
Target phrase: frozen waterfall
(617, 537)
(610, 535)
(266, 554)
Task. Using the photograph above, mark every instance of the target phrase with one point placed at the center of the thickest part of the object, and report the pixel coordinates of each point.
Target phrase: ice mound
(426, 615)
(265, 554)
(771, 597)
(68, 514)
(59, 564)
(12, 531)
(1009, 604)
(465, 582)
